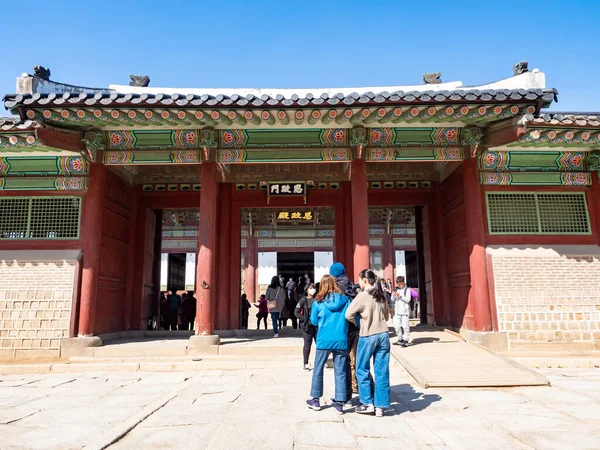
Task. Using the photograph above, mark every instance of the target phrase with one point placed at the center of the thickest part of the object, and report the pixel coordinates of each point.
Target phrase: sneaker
(378, 412)
(306, 367)
(348, 405)
(365, 409)
(404, 344)
(338, 406)
(314, 404)
(399, 342)
(276, 335)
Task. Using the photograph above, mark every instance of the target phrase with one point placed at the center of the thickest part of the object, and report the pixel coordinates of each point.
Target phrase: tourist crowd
(347, 321)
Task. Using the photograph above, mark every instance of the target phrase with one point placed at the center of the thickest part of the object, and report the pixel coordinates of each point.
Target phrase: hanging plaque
(294, 216)
(286, 189)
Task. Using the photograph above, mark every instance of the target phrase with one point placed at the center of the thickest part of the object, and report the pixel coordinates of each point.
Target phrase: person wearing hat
(338, 271)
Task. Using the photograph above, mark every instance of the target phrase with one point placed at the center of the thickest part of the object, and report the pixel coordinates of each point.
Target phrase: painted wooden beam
(63, 139)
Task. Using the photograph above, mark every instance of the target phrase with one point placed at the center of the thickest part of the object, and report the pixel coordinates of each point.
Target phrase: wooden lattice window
(537, 213)
(40, 217)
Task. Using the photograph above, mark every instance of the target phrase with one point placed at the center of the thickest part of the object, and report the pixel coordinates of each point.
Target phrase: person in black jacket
(302, 312)
(350, 289)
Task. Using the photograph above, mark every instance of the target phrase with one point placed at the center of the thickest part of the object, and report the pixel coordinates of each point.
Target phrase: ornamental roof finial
(432, 78)
(139, 81)
(41, 72)
(520, 68)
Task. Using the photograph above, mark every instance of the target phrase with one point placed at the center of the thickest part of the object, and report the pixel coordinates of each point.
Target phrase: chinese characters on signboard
(300, 216)
(287, 189)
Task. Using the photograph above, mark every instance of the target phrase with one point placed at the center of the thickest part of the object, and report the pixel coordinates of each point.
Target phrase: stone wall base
(204, 345)
(497, 342)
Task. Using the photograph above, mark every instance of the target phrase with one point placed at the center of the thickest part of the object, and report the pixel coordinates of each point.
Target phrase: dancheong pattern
(334, 137)
(381, 154)
(340, 154)
(118, 158)
(185, 157)
(495, 160)
(571, 161)
(162, 117)
(448, 153)
(231, 156)
(233, 138)
(381, 136)
(576, 179)
(496, 179)
(120, 139)
(448, 136)
(70, 184)
(75, 165)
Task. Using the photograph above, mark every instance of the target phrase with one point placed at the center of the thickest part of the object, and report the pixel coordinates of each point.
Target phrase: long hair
(377, 290)
(328, 287)
(275, 282)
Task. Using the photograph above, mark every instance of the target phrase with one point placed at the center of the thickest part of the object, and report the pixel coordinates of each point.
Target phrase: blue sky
(304, 44)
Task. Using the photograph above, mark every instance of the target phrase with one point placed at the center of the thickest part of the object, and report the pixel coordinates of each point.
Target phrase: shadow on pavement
(405, 397)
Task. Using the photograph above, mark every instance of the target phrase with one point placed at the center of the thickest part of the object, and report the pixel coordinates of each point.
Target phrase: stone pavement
(265, 409)
(442, 359)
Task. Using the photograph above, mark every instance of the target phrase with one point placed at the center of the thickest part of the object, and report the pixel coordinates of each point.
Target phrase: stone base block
(34, 353)
(204, 345)
(497, 342)
(7, 354)
(78, 346)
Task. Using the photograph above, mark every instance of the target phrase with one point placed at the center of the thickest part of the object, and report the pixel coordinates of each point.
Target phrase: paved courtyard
(265, 409)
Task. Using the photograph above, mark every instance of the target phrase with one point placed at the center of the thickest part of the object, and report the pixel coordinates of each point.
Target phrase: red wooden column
(442, 309)
(225, 270)
(339, 253)
(388, 256)
(360, 215)
(133, 215)
(205, 272)
(91, 237)
(479, 298)
(348, 260)
(236, 266)
(251, 262)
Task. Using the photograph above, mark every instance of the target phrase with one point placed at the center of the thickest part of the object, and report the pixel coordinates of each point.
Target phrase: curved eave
(565, 119)
(546, 96)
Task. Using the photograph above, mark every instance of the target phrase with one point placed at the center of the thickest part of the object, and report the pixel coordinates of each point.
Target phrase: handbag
(271, 304)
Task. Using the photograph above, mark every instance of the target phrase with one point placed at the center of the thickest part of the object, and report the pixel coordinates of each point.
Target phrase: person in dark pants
(188, 312)
(245, 311)
(338, 271)
(309, 331)
(263, 311)
(174, 303)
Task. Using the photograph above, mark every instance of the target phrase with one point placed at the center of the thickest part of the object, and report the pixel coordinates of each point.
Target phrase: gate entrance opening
(296, 265)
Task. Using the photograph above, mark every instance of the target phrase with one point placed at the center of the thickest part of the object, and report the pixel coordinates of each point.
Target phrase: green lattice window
(537, 213)
(40, 217)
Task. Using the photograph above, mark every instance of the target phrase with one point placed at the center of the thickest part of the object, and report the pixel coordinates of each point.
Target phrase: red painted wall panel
(456, 249)
(112, 300)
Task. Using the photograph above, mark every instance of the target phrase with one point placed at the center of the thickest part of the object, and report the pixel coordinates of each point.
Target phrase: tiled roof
(354, 99)
(14, 123)
(566, 118)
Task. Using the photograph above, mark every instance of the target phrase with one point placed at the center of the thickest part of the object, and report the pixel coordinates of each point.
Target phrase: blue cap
(337, 269)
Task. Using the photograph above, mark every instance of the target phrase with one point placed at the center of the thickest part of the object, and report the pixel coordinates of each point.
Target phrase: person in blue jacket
(328, 314)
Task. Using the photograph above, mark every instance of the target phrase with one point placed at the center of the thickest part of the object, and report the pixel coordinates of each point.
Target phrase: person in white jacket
(401, 299)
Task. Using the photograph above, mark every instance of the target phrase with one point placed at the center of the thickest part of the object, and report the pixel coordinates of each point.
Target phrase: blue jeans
(275, 319)
(339, 369)
(378, 347)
